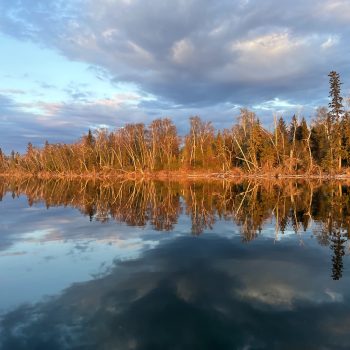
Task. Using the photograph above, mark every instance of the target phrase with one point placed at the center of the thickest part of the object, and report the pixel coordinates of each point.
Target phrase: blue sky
(69, 66)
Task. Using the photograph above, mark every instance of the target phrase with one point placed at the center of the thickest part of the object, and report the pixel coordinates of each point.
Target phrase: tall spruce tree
(335, 115)
(336, 104)
(2, 160)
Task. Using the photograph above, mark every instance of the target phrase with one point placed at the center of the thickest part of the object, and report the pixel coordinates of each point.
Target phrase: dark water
(152, 265)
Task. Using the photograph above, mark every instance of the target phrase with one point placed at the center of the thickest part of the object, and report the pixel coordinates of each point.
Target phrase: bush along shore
(320, 148)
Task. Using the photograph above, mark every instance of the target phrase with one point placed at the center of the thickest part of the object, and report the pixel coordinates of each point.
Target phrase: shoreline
(176, 175)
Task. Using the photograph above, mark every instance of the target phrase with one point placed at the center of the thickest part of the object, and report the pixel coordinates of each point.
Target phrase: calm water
(151, 265)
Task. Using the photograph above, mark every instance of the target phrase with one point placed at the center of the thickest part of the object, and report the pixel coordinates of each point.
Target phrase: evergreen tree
(292, 140)
(335, 114)
(2, 160)
(89, 140)
(282, 143)
(345, 127)
(30, 148)
(336, 103)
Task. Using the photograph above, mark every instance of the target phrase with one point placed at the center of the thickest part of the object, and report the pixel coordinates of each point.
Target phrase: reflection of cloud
(185, 289)
(159, 299)
(285, 296)
(37, 225)
(13, 253)
(275, 295)
(335, 297)
(278, 291)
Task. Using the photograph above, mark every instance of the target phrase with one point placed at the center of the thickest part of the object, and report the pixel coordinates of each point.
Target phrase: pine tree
(89, 139)
(30, 149)
(292, 138)
(336, 104)
(335, 114)
(2, 160)
(282, 141)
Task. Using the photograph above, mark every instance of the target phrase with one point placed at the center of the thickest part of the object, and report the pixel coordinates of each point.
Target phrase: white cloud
(274, 44)
(335, 9)
(277, 104)
(330, 42)
(183, 51)
(275, 55)
(143, 54)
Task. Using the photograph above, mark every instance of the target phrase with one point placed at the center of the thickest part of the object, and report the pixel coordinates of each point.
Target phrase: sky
(67, 66)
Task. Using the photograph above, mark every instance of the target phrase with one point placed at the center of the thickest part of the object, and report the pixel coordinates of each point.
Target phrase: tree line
(298, 147)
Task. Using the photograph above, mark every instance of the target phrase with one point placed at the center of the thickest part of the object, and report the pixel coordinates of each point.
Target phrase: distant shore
(177, 175)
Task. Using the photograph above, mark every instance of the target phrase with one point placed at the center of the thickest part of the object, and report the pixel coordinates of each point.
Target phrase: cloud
(194, 52)
(183, 52)
(330, 42)
(39, 121)
(338, 10)
(192, 57)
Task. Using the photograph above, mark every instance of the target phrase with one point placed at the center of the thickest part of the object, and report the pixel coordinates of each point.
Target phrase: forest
(320, 147)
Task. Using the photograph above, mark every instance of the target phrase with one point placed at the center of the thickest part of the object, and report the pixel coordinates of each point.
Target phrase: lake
(174, 265)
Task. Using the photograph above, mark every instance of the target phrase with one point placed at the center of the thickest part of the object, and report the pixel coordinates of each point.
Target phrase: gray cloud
(23, 126)
(67, 121)
(196, 57)
(198, 53)
(61, 122)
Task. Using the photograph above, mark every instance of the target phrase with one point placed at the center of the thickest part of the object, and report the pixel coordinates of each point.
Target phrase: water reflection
(251, 205)
(190, 292)
(210, 293)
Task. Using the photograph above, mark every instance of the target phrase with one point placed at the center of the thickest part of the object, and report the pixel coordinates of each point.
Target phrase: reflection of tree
(132, 202)
(338, 249)
(200, 206)
(165, 210)
(331, 210)
(252, 210)
(249, 204)
(2, 190)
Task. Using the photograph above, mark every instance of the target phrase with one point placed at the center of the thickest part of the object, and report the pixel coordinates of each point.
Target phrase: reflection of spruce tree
(338, 252)
(2, 190)
(283, 224)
